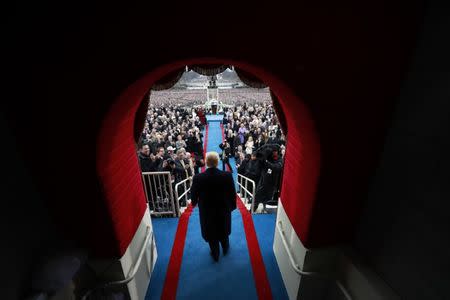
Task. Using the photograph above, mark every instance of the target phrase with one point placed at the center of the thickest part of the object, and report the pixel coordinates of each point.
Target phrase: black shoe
(225, 250)
(214, 256)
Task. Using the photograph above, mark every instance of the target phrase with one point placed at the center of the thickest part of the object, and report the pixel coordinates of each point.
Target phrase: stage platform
(184, 268)
(214, 118)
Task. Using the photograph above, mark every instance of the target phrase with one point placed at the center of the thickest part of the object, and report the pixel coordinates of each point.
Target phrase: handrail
(299, 271)
(344, 290)
(177, 197)
(186, 191)
(133, 269)
(294, 264)
(253, 192)
(156, 173)
(160, 186)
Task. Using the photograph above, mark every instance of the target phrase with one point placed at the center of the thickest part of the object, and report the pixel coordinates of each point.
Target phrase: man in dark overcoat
(269, 181)
(215, 194)
(226, 154)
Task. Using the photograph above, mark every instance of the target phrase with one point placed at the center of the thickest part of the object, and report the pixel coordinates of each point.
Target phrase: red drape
(168, 81)
(279, 112)
(139, 120)
(208, 70)
(249, 79)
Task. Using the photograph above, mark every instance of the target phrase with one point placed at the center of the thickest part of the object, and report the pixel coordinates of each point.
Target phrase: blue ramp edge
(265, 231)
(164, 230)
(214, 140)
(232, 276)
(214, 118)
(202, 278)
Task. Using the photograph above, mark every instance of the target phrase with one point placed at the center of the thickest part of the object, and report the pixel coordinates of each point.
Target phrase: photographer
(226, 154)
(182, 166)
(198, 163)
(272, 166)
(145, 160)
(253, 168)
(169, 166)
(148, 163)
(241, 164)
(197, 147)
(182, 172)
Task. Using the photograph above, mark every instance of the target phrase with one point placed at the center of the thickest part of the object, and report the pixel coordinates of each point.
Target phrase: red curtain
(168, 81)
(208, 70)
(249, 79)
(279, 112)
(140, 116)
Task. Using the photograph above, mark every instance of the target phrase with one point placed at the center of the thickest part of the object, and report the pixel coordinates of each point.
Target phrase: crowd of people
(174, 97)
(194, 97)
(254, 137)
(172, 141)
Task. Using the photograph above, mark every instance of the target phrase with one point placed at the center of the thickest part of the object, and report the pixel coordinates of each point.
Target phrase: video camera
(265, 151)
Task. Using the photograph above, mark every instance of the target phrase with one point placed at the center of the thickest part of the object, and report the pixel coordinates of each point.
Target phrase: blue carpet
(264, 224)
(214, 140)
(214, 136)
(202, 278)
(164, 230)
(265, 230)
(214, 117)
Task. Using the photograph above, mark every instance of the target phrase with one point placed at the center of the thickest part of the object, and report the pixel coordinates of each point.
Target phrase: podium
(214, 105)
(212, 94)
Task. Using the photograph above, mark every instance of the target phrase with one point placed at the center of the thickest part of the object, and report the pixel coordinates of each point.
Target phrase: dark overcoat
(215, 194)
(145, 162)
(253, 170)
(269, 181)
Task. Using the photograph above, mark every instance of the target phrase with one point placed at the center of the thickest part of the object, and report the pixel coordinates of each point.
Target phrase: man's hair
(181, 150)
(212, 159)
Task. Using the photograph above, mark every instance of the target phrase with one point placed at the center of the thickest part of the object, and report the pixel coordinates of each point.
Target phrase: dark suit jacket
(226, 152)
(215, 194)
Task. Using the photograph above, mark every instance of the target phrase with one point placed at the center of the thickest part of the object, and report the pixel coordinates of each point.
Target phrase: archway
(118, 168)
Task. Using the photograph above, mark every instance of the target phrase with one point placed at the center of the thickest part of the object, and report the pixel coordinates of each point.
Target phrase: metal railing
(246, 192)
(299, 271)
(159, 193)
(294, 264)
(134, 268)
(184, 187)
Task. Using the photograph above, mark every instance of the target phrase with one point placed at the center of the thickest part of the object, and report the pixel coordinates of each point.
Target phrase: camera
(265, 152)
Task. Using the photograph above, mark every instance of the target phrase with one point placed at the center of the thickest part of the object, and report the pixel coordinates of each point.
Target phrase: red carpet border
(205, 146)
(173, 269)
(259, 270)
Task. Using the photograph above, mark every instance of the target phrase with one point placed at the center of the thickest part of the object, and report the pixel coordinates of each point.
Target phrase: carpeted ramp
(248, 271)
(202, 278)
(265, 231)
(215, 137)
(164, 230)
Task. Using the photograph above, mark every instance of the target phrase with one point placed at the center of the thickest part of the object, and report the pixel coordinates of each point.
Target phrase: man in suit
(215, 194)
(226, 154)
